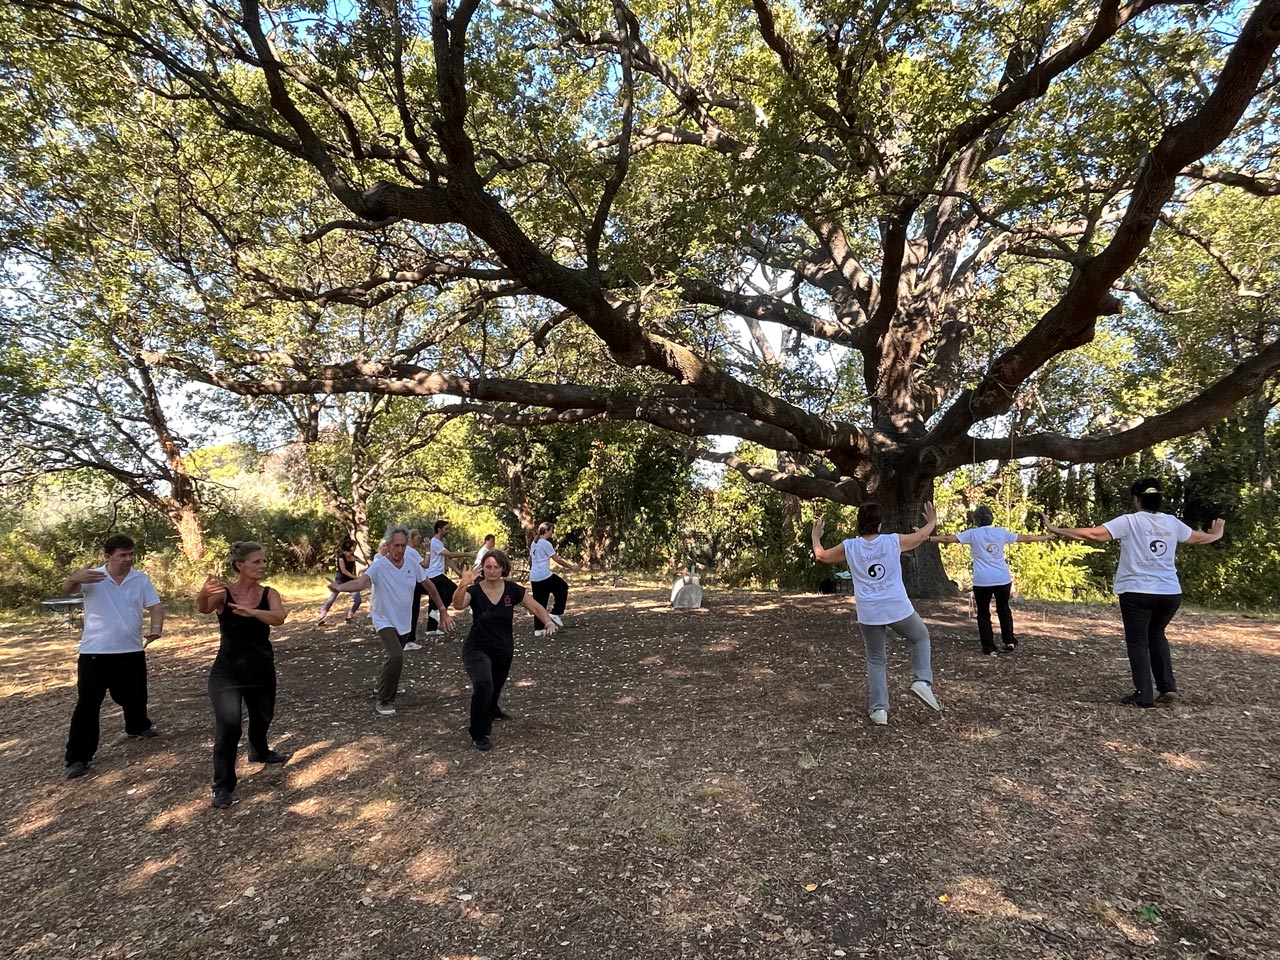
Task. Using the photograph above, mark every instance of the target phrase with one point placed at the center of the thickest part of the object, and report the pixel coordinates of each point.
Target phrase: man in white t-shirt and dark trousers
(438, 555)
(991, 576)
(393, 579)
(1147, 585)
(111, 648)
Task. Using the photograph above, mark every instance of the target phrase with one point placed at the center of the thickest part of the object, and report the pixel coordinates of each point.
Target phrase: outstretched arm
(1034, 537)
(909, 541)
(1089, 534)
(1214, 532)
(576, 568)
(944, 538)
(825, 554)
(358, 585)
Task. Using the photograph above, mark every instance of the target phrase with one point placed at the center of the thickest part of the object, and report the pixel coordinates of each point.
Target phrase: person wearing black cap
(1147, 585)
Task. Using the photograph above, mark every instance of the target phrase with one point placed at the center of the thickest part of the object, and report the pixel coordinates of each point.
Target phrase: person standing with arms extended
(490, 645)
(244, 671)
(545, 584)
(111, 656)
(991, 576)
(345, 569)
(489, 545)
(1147, 585)
(391, 605)
(875, 561)
(439, 555)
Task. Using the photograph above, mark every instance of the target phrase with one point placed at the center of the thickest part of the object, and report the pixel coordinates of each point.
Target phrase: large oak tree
(649, 187)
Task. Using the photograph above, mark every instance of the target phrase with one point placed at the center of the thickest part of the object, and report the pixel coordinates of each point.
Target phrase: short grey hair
(398, 528)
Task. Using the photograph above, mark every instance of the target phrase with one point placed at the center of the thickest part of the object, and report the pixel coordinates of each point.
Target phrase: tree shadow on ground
(674, 784)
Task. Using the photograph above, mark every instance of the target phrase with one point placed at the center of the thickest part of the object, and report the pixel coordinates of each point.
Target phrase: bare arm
(211, 596)
(461, 598)
(273, 616)
(157, 624)
(944, 538)
(359, 584)
(1034, 537)
(1214, 532)
(540, 612)
(565, 563)
(347, 567)
(1089, 534)
(909, 541)
(71, 585)
(824, 554)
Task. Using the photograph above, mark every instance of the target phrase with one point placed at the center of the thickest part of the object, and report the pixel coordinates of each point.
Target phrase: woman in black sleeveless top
(490, 646)
(344, 570)
(244, 670)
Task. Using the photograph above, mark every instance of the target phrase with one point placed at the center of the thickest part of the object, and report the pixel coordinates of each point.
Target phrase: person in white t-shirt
(393, 578)
(1147, 585)
(545, 584)
(991, 576)
(489, 545)
(437, 572)
(111, 656)
(875, 562)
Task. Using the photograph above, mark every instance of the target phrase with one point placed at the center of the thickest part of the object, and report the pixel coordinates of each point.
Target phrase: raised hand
(87, 575)
(1217, 527)
(930, 514)
(819, 528)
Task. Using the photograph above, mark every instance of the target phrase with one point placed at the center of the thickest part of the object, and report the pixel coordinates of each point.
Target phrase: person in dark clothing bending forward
(490, 645)
(244, 669)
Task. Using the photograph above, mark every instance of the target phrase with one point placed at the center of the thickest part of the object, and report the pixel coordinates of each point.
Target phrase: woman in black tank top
(244, 669)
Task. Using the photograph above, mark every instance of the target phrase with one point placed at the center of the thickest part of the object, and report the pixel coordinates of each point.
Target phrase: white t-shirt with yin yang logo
(1148, 542)
(987, 546)
(876, 565)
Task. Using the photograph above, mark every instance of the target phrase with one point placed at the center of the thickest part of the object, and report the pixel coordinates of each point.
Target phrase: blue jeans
(874, 639)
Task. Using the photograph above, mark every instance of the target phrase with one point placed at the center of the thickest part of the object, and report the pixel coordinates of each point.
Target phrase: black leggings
(982, 600)
(229, 685)
(488, 671)
(447, 589)
(544, 590)
(1145, 617)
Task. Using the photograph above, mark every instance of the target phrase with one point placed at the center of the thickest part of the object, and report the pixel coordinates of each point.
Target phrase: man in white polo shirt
(393, 578)
(111, 648)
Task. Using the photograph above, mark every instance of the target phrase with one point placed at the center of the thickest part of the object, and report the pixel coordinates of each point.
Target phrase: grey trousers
(874, 640)
(389, 678)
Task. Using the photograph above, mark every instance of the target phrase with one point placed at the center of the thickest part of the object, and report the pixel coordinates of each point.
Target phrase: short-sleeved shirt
(876, 566)
(491, 622)
(436, 567)
(987, 544)
(540, 554)
(391, 602)
(1148, 542)
(412, 556)
(113, 612)
(480, 554)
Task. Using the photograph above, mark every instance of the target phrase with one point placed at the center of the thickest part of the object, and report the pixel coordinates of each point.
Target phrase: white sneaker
(435, 633)
(413, 645)
(384, 709)
(880, 717)
(925, 693)
(539, 633)
(555, 618)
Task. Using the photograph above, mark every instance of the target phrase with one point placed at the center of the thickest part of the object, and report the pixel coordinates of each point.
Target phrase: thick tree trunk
(186, 521)
(902, 498)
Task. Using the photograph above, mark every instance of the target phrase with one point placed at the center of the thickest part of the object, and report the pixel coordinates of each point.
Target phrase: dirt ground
(673, 784)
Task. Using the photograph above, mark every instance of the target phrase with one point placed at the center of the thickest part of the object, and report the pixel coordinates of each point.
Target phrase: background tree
(621, 178)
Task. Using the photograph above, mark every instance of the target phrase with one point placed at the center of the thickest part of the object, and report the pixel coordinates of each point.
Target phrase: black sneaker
(222, 799)
(1167, 699)
(1010, 647)
(272, 757)
(77, 769)
(146, 734)
(1132, 701)
(483, 743)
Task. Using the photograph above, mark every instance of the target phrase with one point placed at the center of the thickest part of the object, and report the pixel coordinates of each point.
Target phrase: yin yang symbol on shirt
(1158, 548)
(876, 571)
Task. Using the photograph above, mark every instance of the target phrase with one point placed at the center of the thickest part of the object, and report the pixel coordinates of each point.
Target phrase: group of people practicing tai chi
(116, 597)
(242, 679)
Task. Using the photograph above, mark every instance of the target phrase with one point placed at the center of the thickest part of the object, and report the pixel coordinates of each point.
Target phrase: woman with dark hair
(490, 645)
(545, 584)
(244, 669)
(345, 569)
(991, 576)
(875, 561)
(1147, 585)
